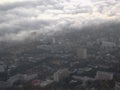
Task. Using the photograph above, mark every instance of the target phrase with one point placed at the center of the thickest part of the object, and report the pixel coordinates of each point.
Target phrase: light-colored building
(81, 53)
(61, 74)
(106, 44)
(104, 76)
(85, 78)
(46, 83)
(53, 40)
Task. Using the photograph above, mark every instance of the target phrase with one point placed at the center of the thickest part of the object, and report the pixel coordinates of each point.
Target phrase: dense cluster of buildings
(62, 66)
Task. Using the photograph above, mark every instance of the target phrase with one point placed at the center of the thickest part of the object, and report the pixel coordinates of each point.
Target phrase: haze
(18, 18)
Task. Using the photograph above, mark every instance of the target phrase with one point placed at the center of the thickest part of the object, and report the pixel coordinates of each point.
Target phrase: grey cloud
(34, 24)
(26, 25)
(9, 6)
(22, 17)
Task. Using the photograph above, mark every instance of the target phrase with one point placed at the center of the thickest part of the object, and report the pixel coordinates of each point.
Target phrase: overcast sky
(18, 18)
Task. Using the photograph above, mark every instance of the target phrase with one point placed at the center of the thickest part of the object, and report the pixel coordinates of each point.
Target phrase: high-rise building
(81, 53)
(61, 74)
(53, 40)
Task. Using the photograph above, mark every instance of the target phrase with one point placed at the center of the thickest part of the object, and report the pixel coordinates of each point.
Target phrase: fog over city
(59, 44)
(20, 18)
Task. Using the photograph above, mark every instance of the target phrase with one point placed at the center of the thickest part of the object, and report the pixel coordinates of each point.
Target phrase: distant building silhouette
(81, 53)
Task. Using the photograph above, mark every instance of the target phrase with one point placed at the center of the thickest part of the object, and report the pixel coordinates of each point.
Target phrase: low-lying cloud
(19, 18)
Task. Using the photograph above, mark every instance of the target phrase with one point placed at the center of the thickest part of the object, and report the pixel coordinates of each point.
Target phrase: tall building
(107, 45)
(81, 53)
(53, 40)
(61, 74)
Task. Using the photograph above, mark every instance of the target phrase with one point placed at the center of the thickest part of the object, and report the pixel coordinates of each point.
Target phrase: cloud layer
(18, 18)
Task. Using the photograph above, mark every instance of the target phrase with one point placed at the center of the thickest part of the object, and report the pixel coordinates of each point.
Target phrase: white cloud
(44, 15)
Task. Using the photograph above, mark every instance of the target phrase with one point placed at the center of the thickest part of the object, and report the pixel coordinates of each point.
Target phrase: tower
(81, 53)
